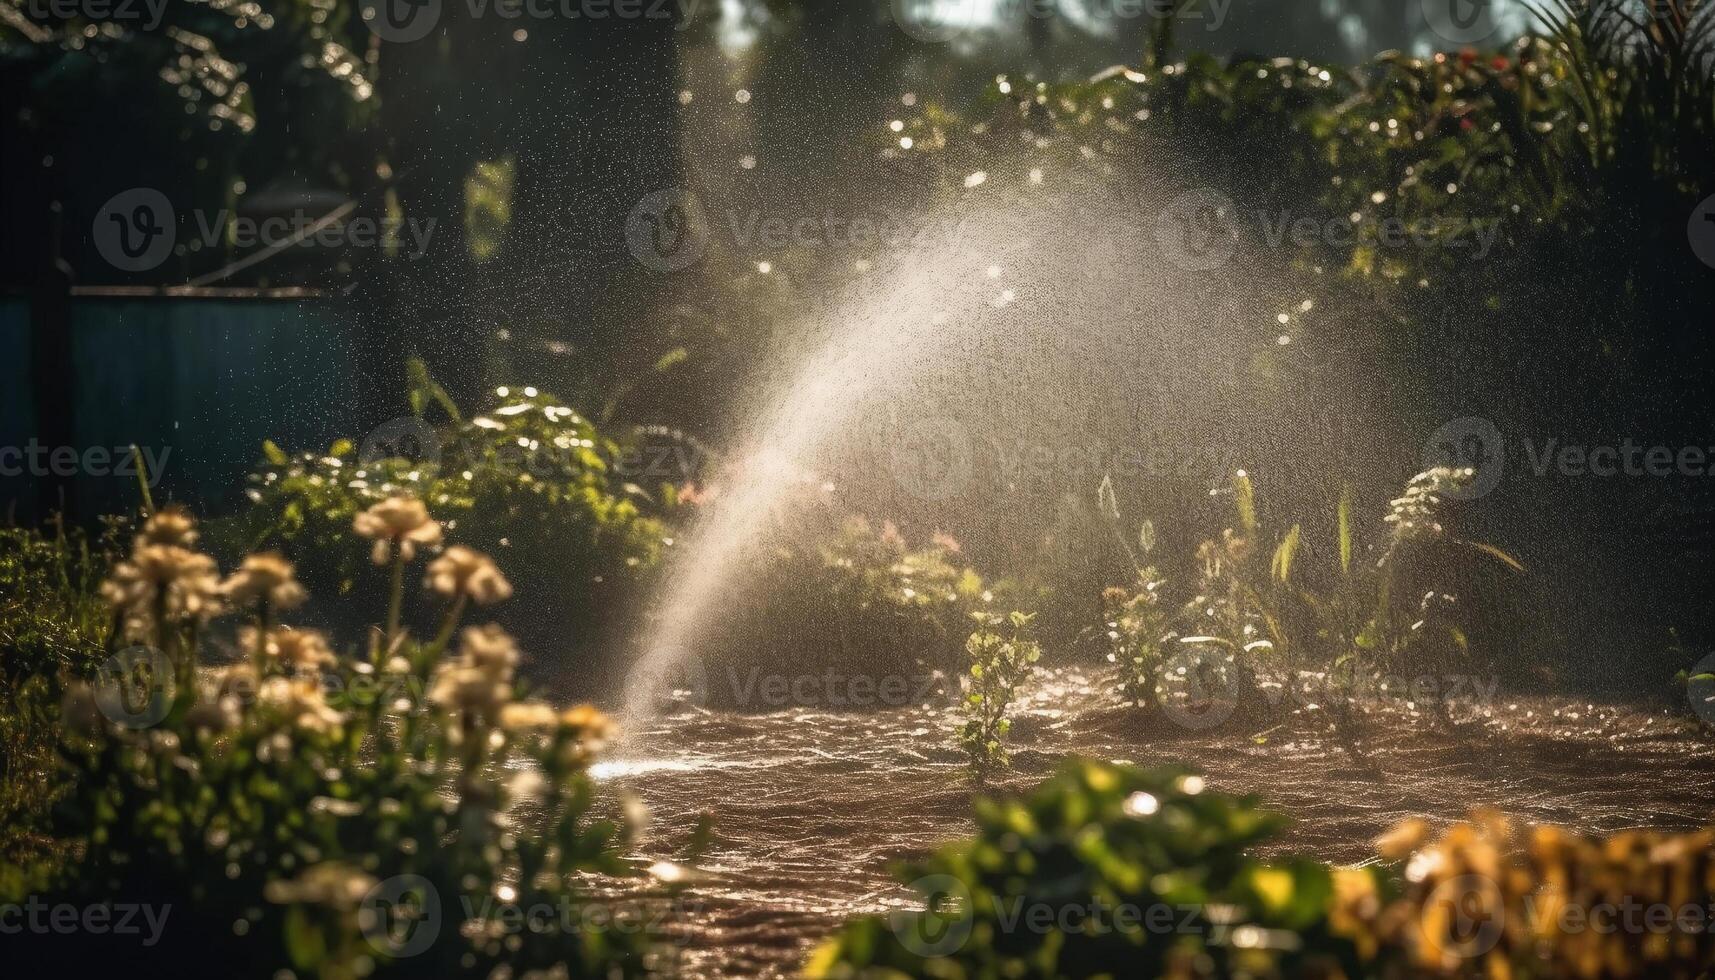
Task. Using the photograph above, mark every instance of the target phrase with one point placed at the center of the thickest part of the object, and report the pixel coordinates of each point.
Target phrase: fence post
(52, 374)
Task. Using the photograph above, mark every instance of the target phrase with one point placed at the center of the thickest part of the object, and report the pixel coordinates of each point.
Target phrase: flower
(265, 578)
(584, 731)
(1404, 838)
(468, 690)
(169, 525)
(181, 584)
(401, 522)
(489, 649)
(304, 650)
(479, 682)
(528, 716)
(237, 681)
(299, 702)
(466, 572)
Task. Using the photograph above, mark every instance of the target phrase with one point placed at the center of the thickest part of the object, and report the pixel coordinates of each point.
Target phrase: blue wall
(201, 380)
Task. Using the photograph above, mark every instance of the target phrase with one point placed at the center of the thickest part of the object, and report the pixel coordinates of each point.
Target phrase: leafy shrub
(1280, 636)
(331, 814)
(998, 665)
(1121, 846)
(530, 479)
(1116, 871)
(1137, 629)
(826, 589)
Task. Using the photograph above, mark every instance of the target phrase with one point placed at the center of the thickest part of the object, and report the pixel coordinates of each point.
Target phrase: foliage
(1121, 846)
(1297, 635)
(51, 620)
(1137, 627)
(1116, 871)
(831, 588)
(53, 627)
(333, 815)
(212, 100)
(999, 663)
(530, 478)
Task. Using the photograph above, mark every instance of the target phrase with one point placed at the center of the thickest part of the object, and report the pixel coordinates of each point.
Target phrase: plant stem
(447, 626)
(397, 600)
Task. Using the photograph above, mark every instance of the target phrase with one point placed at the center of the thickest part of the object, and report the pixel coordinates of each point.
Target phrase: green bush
(1156, 868)
(392, 806)
(999, 663)
(530, 480)
(1107, 871)
(828, 591)
(1281, 635)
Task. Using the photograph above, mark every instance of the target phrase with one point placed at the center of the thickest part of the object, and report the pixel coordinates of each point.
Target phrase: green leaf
(1345, 517)
(273, 453)
(1284, 554)
(1497, 554)
(672, 359)
(1244, 499)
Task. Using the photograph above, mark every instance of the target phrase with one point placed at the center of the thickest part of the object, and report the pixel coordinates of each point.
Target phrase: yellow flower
(299, 701)
(469, 690)
(304, 650)
(169, 525)
(528, 716)
(180, 584)
(397, 522)
(490, 649)
(462, 571)
(1405, 837)
(584, 731)
(265, 577)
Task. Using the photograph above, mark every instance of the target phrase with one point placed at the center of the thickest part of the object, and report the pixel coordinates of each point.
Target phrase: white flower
(401, 522)
(462, 571)
(299, 702)
(265, 577)
(177, 583)
(304, 650)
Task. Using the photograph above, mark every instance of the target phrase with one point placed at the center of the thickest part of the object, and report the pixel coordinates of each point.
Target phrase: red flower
(1467, 124)
(1467, 57)
(1500, 63)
